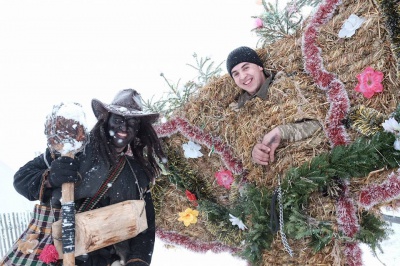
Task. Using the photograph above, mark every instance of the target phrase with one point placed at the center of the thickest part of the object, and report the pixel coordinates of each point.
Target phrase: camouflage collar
(261, 93)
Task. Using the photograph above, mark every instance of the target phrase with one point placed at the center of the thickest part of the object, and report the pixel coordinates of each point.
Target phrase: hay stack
(293, 96)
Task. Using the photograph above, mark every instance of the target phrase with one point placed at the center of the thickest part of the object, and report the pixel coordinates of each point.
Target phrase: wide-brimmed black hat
(127, 103)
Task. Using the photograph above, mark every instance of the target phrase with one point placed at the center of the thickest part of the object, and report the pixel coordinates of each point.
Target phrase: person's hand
(63, 170)
(260, 154)
(272, 139)
(263, 153)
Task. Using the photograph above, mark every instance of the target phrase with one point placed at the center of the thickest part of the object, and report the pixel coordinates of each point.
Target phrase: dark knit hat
(240, 55)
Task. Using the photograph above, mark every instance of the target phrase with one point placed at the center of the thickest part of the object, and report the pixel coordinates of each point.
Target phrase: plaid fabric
(40, 224)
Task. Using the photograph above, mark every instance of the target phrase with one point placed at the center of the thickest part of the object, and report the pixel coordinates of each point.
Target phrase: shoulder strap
(89, 203)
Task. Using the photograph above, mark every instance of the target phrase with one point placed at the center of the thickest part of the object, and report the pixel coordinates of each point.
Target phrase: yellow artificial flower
(188, 217)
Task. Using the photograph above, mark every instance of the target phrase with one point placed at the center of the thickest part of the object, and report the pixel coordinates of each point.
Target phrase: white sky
(59, 51)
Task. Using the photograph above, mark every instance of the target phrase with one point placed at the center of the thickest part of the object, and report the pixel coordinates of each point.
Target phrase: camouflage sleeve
(298, 131)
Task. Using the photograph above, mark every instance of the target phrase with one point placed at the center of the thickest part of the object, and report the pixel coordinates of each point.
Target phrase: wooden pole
(61, 128)
(68, 222)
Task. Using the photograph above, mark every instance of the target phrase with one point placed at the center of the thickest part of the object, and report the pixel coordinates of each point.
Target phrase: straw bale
(293, 97)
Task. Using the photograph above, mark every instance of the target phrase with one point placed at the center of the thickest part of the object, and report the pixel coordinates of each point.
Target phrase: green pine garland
(354, 161)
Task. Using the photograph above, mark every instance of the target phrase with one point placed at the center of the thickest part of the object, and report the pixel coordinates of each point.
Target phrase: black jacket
(30, 177)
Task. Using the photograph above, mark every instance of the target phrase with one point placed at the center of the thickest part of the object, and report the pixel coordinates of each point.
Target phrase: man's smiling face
(248, 76)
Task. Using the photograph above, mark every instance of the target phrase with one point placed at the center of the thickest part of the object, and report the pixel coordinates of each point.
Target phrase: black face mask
(121, 130)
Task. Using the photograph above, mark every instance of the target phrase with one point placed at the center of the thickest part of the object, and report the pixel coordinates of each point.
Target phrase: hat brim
(100, 110)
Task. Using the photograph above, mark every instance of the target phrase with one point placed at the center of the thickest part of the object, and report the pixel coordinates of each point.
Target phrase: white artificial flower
(350, 26)
(192, 150)
(391, 125)
(396, 145)
(236, 221)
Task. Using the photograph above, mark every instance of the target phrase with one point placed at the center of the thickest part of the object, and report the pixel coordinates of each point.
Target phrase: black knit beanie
(240, 55)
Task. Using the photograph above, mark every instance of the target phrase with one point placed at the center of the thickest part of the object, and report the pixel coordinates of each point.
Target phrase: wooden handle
(68, 221)
(67, 191)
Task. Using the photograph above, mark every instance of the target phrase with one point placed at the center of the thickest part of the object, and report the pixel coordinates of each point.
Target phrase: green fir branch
(353, 161)
(278, 23)
(177, 96)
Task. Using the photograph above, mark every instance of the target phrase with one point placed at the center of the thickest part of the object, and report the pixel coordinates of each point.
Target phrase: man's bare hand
(260, 154)
(263, 153)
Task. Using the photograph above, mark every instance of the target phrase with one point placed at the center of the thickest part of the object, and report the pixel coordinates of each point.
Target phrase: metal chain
(283, 235)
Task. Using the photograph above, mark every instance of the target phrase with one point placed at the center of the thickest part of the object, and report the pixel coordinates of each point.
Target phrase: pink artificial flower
(369, 82)
(258, 23)
(224, 178)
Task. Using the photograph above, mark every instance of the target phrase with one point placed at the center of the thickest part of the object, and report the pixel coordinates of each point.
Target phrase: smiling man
(247, 70)
(245, 67)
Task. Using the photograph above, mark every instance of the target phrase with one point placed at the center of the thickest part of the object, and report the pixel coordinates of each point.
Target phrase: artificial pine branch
(255, 205)
(185, 178)
(177, 97)
(278, 23)
(353, 161)
(373, 230)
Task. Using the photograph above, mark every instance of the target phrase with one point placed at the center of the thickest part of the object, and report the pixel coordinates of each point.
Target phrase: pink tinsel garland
(346, 214)
(339, 107)
(384, 192)
(313, 64)
(353, 254)
(197, 246)
(195, 134)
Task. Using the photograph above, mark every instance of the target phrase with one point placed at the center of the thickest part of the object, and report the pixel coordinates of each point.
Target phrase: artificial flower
(188, 217)
(236, 221)
(224, 178)
(369, 82)
(391, 125)
(258, 23)
(191, 197)
(192, 150)
(350, 26)
(396, 144)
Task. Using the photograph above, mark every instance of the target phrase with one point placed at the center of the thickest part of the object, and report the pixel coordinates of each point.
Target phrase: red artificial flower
(224, 178)
(369, 82)
(191, 197)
